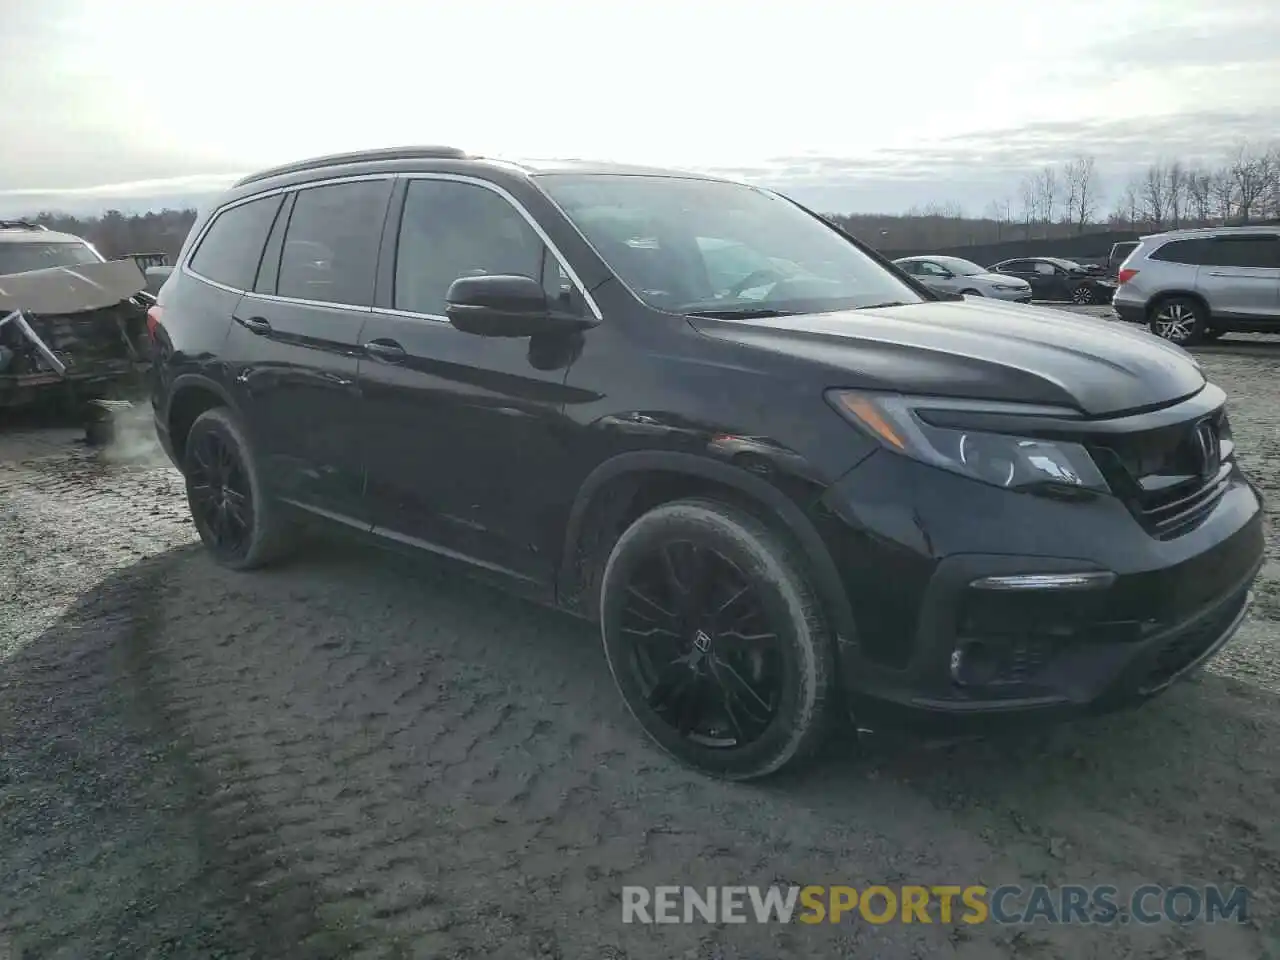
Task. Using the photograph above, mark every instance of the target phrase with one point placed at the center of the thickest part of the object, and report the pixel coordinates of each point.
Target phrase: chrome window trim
(185, 267)
(528, 217)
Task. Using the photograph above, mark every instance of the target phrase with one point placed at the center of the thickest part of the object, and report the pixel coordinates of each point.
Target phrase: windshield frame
(793, 307)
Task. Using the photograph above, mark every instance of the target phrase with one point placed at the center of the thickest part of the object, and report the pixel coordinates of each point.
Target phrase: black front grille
(1160, 474)
(1185, 648)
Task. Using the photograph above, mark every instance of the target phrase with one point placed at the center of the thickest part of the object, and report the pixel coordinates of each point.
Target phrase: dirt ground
(355, 756)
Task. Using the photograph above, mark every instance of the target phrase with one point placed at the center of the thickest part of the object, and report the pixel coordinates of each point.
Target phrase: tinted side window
(451, 230)
(1016, 266)
(232, 246)
(1183, 251)
(1048, 269)
(331, 248)
(1261, 251)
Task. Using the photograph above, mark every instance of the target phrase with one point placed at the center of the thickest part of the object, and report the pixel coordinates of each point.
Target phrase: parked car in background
(795, 485)
(1194, 285)
(1052, 278)
(1118, 252)
(956, 275)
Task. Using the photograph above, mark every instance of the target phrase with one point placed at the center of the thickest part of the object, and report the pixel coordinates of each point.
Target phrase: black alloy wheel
(715, 640)
(221, 498)
(239, 527)
(701, 645)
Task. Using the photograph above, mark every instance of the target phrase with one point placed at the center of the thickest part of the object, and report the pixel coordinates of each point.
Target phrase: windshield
(961, 268)
(20, 257)
(705, 246)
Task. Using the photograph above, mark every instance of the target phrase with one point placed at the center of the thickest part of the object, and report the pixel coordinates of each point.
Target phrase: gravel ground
(355, 756)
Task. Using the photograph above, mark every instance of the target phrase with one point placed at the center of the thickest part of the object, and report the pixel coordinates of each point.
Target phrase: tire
(1179, 320)
(651, 654)
(265, 535)
(1083, 295)
(972, 293)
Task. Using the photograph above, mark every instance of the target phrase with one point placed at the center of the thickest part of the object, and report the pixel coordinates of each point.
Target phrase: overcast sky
(860, 105)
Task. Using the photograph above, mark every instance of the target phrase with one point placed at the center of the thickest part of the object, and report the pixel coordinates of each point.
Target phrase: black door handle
(257, 325)
(383, 349)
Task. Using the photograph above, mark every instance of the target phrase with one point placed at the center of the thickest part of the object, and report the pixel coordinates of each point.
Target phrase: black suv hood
(984, 350)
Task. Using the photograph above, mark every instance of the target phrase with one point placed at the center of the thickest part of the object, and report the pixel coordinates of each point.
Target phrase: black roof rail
(359, 156)
(21, 225)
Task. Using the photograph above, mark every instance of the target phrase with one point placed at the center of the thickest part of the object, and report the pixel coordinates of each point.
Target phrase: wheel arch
(191, 395)
(622, 488)
(1165, 295)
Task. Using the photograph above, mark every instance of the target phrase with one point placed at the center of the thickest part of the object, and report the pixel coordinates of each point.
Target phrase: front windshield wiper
(887, 303)
(742, 313)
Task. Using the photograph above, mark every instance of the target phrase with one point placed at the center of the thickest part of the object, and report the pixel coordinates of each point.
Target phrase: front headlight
(1002, 460)
(1008, 286)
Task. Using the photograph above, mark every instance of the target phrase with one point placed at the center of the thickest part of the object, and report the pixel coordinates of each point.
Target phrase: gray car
(1188, 286)
(956, 275)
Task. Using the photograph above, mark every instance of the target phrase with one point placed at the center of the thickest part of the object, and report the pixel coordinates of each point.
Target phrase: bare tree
(1155, 194)
(1175, 192)
(1252, 174)
(1081, 190)
(1133, 199)
(1199, 194)
(1046, 189)
(1030, 202)
(1222, 190)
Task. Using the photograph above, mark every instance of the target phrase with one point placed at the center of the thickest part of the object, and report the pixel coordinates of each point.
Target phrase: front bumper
(936, 654)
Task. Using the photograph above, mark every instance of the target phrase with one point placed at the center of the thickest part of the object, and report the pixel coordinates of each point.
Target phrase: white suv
(1195, 285)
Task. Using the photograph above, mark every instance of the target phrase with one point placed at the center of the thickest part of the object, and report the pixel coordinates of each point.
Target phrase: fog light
(1085, 580)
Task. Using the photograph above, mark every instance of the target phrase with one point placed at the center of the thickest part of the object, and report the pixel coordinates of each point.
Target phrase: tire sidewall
(783, 594)
(223, 423)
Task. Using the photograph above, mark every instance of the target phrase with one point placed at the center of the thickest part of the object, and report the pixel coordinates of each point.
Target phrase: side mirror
(506, 306)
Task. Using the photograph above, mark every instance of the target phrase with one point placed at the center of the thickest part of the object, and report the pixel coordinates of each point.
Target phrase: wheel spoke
(650, 603)
(695, 605)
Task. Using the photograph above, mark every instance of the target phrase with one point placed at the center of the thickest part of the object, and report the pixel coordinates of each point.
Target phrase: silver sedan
(955, 275)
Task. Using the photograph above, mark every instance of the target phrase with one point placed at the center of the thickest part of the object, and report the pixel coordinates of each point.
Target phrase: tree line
(116, 234)
(1070, 198)
(1058, 200)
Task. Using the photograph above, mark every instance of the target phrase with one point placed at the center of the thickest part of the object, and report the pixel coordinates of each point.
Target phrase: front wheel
(716, 639)
(971, 293)
(1082, 295)
(240, 526)
(1179, 320)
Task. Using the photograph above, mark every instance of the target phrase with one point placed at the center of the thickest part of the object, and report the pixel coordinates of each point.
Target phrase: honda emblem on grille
(1206, 446)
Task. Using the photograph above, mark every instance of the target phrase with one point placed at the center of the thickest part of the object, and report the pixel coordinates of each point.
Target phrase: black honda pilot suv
(790, 483)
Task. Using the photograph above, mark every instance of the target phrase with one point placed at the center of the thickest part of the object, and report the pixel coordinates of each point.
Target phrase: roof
(30, 235)
(455, 159)
(1215, 231)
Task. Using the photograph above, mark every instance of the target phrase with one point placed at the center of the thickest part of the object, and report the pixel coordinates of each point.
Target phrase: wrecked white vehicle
(72, 325)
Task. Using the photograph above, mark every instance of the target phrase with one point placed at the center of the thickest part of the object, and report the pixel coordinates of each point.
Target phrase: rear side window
(1183, 251)
(231, 247)
(330, 252)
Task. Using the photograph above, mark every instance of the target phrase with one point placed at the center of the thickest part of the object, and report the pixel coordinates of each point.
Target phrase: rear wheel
(240, 527)
(716, 639)
(1179, 320)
